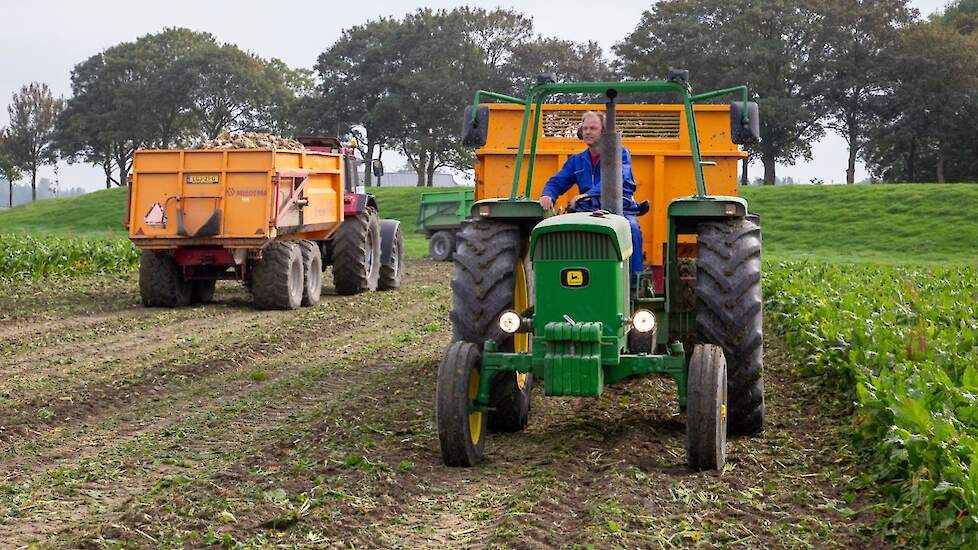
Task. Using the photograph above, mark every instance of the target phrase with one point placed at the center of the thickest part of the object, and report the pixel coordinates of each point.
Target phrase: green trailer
(440, 216)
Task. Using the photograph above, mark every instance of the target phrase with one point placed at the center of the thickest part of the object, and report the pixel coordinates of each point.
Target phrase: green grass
(100, 214)
(880, 224)
(96, 214)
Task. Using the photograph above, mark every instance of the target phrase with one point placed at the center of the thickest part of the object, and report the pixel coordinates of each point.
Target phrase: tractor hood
(611, 225)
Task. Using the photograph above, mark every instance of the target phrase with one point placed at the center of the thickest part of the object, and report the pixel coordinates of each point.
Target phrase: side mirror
(744, 132)
(377, 167)
(474, 131)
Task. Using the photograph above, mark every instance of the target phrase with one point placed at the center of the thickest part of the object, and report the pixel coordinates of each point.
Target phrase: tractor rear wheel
(461, 429)
(441, 246)
(393, 268)
(276, 282)
(706, 409)
(161, 282)
(312, 273)
(729, 313)
(490, 277)
(202, 292)
(356, 253)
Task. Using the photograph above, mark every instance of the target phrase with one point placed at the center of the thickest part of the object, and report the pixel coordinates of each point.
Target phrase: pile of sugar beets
(250, 140)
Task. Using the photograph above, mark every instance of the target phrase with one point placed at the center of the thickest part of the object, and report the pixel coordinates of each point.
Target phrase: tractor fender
(387, 230)
(354, 203)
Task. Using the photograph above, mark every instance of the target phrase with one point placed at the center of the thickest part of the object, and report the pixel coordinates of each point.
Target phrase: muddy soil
(122, 426)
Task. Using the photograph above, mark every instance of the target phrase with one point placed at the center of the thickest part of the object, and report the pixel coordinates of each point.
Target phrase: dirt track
(134, 427)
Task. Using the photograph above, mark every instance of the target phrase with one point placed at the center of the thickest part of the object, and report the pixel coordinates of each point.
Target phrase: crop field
(126, 426)
(906, 340)
(130, 427)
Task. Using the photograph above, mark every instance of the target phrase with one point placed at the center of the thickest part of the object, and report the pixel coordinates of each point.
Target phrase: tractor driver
(584, 169)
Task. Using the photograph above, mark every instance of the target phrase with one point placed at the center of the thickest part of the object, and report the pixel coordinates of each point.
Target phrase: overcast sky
(44, 39)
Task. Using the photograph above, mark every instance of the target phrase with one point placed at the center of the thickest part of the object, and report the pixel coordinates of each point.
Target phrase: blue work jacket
(578, 170)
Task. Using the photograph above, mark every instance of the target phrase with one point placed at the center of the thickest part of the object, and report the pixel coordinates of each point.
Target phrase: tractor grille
(632, 124)
(575, 245)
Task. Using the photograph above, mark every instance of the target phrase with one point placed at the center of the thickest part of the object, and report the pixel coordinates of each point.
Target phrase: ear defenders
(580, 132)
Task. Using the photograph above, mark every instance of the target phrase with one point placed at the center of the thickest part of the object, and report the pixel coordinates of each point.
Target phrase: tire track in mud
(192, 407)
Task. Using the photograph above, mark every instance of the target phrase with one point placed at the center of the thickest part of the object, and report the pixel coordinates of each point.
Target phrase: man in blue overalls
(584, 169)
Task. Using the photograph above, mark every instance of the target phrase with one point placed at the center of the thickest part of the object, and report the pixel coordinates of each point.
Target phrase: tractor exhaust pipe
(611, 182)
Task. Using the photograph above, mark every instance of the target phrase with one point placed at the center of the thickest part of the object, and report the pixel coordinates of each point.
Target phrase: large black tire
(356, 253)
(483, 278)
(461, 431)
(277, 280)
(161, 282)
(441, 246)
(312, 273)
(202, 292)
(483, 286)
(706, 409)
(392, 270)
(729, 313)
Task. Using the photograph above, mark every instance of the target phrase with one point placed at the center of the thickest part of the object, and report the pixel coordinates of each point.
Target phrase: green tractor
(551, 298)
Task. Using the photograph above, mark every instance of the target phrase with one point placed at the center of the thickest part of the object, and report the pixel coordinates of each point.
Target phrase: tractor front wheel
(706, 409)
(490, 277)
(728, 312)
(461, 428)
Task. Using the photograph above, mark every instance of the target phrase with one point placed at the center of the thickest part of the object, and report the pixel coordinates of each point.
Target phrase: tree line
(902, 91)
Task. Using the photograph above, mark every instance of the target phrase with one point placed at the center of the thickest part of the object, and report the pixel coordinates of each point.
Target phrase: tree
(568, 61)
(962, 15)
(926, 130)
(356, 74)
(235, 91)
(853, 54)
(765, 44)
(33, 112)
(8, 170)
(104, 121)
(430, 89)
(168, 89)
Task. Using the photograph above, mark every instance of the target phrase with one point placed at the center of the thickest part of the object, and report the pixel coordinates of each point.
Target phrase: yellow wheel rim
(521, 301)
(475, 417)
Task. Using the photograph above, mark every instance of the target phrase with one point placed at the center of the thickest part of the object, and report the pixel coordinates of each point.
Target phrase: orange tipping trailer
(656, 136)
(270, 218)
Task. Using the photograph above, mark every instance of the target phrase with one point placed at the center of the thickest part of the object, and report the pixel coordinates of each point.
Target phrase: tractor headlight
(643, 321)
(509, 322)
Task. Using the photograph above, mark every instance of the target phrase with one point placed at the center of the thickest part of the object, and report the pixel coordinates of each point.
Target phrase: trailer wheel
(202, 292)
(161, 282)
(706, 409)
(392, 266)
(312, 273)
(276, 281)
(461, 430)
(356, 253)
(490, 277)
(729, 314)
(441, 246)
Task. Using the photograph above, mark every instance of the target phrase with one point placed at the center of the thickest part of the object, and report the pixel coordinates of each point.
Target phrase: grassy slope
(889, 224)
(892, 224)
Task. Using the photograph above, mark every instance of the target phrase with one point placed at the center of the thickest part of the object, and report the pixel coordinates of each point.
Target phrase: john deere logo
(575, 277)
